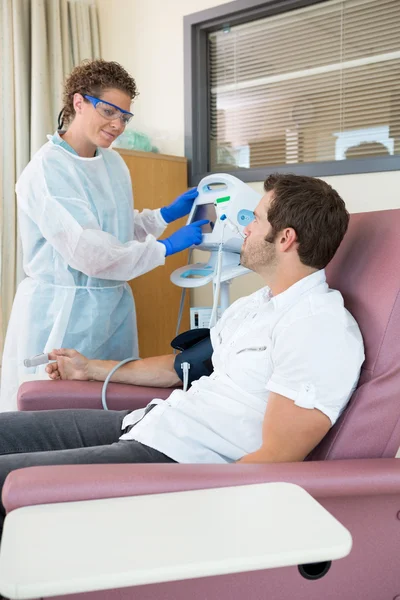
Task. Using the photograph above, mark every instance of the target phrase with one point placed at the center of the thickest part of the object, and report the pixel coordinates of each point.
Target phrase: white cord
(213, 318)
(182, 302)
(214, 312)
(111, 373)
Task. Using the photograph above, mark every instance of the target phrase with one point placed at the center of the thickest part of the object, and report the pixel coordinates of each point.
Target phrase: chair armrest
(68, 483)
(50, 395)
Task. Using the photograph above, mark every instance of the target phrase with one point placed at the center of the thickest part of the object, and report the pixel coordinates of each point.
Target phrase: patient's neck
(282, 278)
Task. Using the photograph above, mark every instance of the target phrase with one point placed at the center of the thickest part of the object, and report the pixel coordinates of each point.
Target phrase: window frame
(197, 26)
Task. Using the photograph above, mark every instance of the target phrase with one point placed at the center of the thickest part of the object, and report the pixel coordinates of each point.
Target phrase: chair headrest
(366, 270)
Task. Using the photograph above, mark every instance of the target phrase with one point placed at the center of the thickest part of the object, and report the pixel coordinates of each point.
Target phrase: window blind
(320, 83)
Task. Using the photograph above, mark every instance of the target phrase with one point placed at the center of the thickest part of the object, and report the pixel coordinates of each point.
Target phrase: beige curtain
(40, 42)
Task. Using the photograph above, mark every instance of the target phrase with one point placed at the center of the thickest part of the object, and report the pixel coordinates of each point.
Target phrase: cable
(111, 373)
(60, 119)
(232, 226)
(182, 302)
(180, 313)
(213, 318)
(214, 312)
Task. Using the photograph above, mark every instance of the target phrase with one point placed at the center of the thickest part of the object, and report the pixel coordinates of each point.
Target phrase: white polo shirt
(302, 344)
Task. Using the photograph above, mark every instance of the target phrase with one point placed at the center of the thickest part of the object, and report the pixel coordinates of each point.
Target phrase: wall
(146, 36)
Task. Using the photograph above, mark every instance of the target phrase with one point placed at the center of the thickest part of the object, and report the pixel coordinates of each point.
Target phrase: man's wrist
(97, 370)
(90, 370)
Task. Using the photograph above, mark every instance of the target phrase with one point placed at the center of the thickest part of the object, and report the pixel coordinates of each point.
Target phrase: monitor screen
(205, 211)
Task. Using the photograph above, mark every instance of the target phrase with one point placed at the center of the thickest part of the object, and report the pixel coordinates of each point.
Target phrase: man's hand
(70, 365)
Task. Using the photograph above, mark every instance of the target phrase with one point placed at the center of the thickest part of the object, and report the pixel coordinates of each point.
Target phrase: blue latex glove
(184, 238)
(179, 207)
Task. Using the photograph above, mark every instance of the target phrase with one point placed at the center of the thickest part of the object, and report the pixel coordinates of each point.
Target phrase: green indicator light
(224, 199)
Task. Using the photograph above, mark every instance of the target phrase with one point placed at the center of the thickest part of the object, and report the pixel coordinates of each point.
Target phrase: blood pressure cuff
(196, 349)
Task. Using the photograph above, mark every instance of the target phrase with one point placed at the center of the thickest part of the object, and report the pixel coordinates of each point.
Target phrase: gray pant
(66, 437)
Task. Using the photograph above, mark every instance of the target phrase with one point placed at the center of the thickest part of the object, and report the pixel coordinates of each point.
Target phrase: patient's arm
(289, 431)
(157, 371)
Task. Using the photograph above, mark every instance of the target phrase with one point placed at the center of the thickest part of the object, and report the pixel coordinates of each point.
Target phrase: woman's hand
(180, 207)
(70, 365)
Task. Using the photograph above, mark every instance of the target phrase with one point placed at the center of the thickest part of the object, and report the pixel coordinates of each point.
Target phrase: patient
(285, 362)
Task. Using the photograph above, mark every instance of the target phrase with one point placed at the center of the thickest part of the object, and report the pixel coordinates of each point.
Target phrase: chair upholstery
(352, 472)
(51, 395)
(366, 269)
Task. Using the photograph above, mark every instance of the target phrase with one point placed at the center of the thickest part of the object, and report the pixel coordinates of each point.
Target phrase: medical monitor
(205, 211)
(228, 203)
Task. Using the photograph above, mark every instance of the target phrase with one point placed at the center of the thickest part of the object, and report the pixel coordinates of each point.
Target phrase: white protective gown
(82, 241)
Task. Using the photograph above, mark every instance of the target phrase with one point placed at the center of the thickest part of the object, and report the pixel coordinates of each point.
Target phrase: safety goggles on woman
(109, 111)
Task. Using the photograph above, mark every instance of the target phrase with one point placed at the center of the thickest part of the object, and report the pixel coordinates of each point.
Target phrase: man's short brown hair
(314, 210)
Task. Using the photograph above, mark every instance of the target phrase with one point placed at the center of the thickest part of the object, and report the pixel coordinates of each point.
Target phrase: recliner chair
(353, 472)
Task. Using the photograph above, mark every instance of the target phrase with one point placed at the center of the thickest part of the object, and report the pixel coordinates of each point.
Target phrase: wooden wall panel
(158, 179)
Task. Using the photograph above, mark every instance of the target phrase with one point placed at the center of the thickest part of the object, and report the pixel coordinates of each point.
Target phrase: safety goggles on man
(109, 111)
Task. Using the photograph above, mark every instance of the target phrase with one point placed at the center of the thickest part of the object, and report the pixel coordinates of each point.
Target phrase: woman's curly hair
(93, 77)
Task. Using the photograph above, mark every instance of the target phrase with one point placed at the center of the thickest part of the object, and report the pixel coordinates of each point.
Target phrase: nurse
(82, 240)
